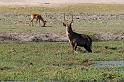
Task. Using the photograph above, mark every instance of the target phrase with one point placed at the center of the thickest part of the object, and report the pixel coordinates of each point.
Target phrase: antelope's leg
(32, 21)
(41, 19)
(74, 46)
(43, 24)
(36, 21)
(39, 22)
(88, 48)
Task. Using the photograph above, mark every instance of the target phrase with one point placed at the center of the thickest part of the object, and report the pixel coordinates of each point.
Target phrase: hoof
(76, 52)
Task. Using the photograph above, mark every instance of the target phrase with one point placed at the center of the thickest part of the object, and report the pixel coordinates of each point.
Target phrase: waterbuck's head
(67, 23)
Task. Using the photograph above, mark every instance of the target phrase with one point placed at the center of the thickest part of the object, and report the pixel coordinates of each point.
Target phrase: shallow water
(109, 64)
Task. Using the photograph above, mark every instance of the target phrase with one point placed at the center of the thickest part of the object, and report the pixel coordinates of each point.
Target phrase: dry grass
(66, 8)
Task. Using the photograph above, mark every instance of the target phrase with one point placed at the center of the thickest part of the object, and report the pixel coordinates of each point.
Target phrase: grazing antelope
(76, 39)
(38, 18)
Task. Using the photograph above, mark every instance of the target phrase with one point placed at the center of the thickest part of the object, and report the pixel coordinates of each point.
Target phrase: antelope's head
(67, 23)
(44, 23)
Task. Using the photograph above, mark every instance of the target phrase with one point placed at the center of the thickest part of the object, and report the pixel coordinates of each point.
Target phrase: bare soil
(36, 37)
(52, 37)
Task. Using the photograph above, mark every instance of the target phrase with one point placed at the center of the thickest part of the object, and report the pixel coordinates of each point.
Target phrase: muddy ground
(52, 37)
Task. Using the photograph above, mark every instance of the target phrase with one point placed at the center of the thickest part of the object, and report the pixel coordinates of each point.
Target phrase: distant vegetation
(66, 8)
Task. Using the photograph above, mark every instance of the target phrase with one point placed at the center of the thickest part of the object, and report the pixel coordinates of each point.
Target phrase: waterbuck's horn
(64, 17)
(72, 19)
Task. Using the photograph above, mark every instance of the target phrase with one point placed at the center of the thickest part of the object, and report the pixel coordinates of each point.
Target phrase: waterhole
(109, 63)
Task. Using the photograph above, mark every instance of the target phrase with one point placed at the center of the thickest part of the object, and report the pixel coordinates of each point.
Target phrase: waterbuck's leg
(88, 48)
(74, 46)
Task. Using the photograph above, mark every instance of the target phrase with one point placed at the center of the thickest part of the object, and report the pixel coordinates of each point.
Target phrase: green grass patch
(57, 61)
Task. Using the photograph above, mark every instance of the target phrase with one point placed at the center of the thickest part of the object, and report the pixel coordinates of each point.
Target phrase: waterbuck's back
(80, 39)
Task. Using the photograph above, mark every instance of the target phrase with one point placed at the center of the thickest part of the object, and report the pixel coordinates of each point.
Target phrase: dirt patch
(36, 37)
(108, 36)
(52, 37)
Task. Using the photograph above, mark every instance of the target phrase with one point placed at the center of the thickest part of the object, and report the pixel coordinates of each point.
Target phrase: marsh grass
(57, 61)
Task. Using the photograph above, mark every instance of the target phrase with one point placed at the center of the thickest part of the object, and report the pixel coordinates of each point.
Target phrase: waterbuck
(38, 18)
(77, 39)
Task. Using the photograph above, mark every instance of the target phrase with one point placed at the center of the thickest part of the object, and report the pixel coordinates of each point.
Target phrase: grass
(17, 19)
(46, 61)
(11, 22)
(56, 61)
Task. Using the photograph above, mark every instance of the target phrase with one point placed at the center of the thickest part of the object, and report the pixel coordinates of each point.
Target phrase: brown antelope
(76, 39)
(38, 18)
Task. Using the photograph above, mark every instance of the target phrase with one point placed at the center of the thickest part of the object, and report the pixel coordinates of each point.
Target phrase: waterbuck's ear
(64, 24)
